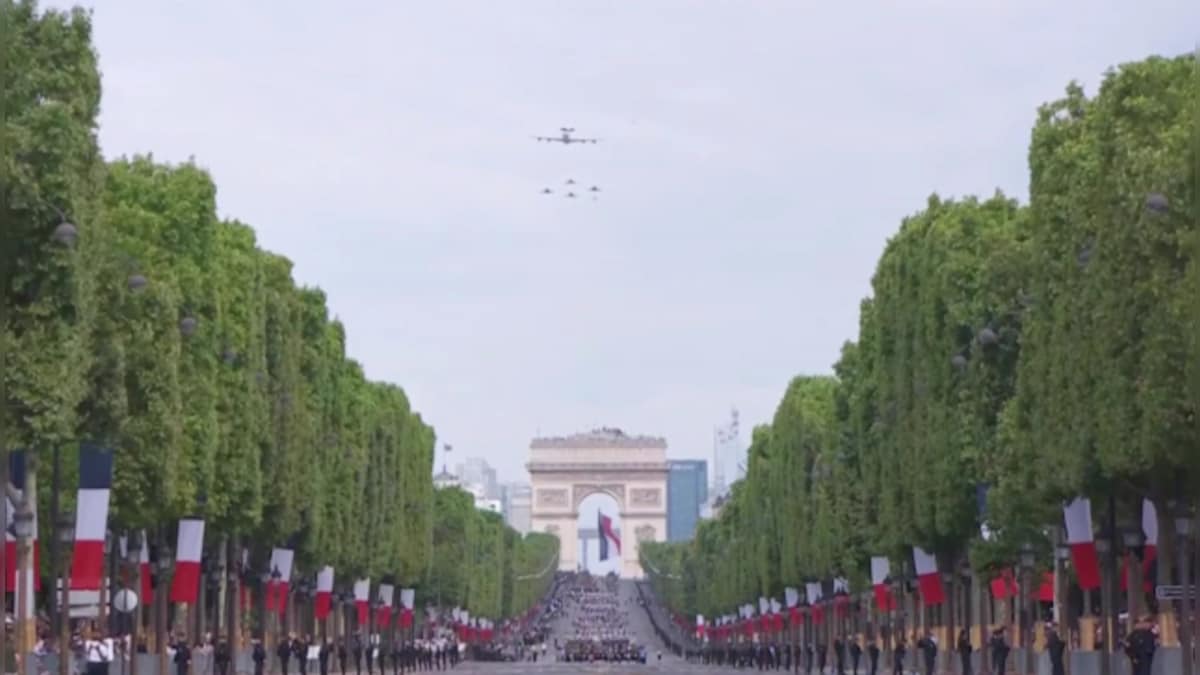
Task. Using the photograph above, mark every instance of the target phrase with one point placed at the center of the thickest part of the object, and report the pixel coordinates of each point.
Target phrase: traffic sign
(1174, 592)
(125, 600)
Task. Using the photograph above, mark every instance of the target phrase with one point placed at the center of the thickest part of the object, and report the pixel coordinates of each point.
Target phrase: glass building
(687, 491)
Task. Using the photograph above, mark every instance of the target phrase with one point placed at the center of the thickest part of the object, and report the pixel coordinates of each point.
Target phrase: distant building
(518, 506)
(445, 479)
(687, 491)
(476, 471)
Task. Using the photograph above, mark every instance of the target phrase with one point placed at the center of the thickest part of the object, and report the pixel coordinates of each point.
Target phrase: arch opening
(592, 543)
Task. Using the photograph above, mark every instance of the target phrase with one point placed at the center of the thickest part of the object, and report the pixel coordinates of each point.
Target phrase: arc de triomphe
(631, 469)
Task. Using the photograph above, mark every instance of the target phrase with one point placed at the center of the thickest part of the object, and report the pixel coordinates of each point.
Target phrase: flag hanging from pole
(1078, 517)
(324, 599)
(91, 517)
(185, 587)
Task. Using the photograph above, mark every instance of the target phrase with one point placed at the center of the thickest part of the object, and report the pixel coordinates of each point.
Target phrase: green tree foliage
(1047, 351)
(168, 335)
(481, 564)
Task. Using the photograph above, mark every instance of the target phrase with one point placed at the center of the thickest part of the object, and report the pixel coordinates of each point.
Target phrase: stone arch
(645, 533)
(581, 491)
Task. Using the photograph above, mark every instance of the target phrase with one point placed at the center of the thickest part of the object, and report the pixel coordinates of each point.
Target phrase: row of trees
(482, 564)
(1042, 351)
(134, 316)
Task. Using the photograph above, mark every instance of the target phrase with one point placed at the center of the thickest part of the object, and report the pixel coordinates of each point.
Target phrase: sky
(754, 158)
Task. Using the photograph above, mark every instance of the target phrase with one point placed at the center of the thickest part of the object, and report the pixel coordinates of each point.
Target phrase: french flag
(928, 579)
(144, 572)
(791, 598)
(1005, 585)
(604, 525)
(91, 517)
(185, 587)
(1149, 551)
(16, 476)
(324, 592)
(362, 600)
(277, 591)
(384, 616)
(814, 593)
(407, 597)
(881, 569)
(1078, 517)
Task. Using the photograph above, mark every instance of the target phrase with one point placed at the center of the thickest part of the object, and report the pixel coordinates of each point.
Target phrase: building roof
(604, 437)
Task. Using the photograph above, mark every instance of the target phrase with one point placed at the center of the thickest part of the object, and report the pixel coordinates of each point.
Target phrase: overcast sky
(755, 157)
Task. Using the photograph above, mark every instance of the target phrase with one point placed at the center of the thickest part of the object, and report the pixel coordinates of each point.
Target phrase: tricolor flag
(1078, 517)
(881, 569)
(791, 598)
(277, 589)
(362, 600)
(1149, 550)
(324, 592)
(16, 476)
(814, 593)
(604, 526)
(91, 517)
(841, 595)
(186, 585)
(407, 596)
(1005, 585)
(929, 581)
(144, 572)
(387, 593)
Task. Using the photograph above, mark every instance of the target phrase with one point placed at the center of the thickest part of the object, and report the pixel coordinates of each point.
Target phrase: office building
(687, 491)
(518, 506)
(476, 471)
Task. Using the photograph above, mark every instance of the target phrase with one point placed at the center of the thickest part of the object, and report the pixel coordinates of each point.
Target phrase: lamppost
(1131, 537)
(1104, 551)
(213, 581)
(1027, 604)
(23, 530)
(301, 610)
(163, 563)
(1183, 532)
(65, 527)
(133, 558)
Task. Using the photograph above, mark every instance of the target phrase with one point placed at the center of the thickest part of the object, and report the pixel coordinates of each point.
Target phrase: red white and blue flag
(91, 517)
(604, 525)
(185, 587)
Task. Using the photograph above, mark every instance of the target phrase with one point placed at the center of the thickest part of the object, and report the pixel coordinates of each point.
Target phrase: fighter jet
(595, 189)
(571, 195)
(566, 138)
(570, 181)
(547, 191)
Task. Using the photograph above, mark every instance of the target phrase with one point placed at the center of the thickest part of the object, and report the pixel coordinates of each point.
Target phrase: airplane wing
(549, 139)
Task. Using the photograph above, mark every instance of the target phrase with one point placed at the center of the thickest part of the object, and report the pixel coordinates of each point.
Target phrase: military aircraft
(570, 181)
(547, 191)
(595, 189)
(566, 138)
(571, 195)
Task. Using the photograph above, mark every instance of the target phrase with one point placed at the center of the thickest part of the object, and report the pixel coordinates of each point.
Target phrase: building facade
(518, 506)
(477, 471)
(687, 492)
(632, 470)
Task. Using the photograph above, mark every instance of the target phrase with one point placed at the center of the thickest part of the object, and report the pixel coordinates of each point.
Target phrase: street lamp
(1027, 561)
(133, 558)
(65, 528)
(66, 233)
(137, 283)
(1157, 203)
(187, 326)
